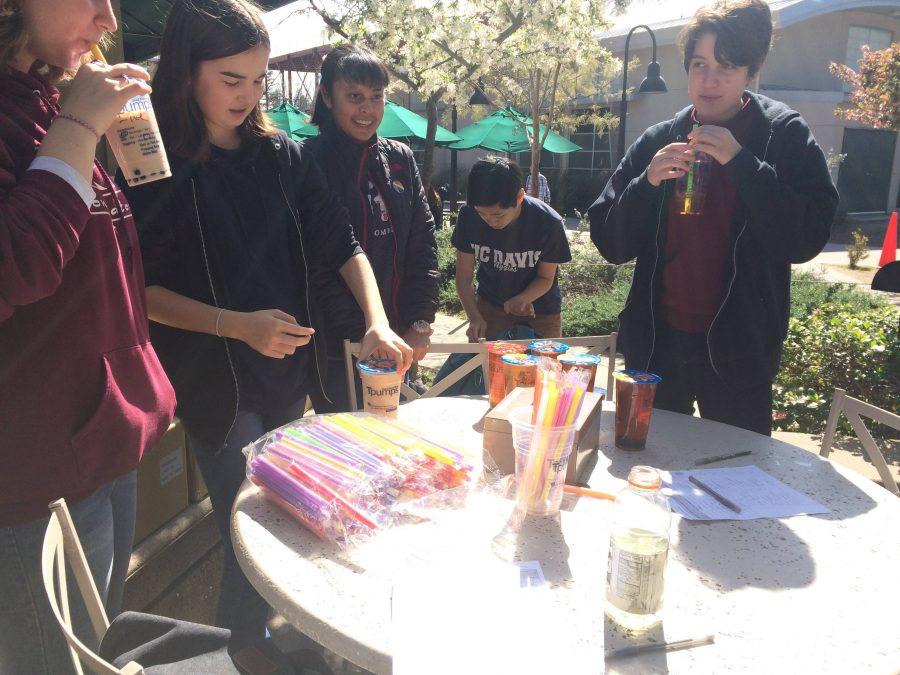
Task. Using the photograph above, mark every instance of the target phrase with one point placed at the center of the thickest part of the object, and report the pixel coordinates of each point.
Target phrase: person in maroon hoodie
(82, 393)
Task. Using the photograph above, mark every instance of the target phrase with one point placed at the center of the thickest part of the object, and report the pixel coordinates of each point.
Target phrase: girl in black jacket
(377, 180)
(226, 242)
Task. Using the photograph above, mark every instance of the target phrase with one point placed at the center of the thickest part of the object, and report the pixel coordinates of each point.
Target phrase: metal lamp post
(478, 98)
(653, 83)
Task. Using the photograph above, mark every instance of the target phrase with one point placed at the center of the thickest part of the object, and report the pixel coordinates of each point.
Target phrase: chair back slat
(854, 410)
(59, 548)
(595, 344)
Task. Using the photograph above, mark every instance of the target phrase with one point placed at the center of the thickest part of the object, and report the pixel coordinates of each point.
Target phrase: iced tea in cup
(634, 403)
(519, 370)
(380, 386)
(495, 368)
(588, 362)
(549, 348)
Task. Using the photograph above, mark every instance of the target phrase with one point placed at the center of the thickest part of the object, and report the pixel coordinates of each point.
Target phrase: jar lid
(377, 366)
(506, 348)
(519, 359)
(637, 377)
(548, 347)
(580, 359)
(644, 478)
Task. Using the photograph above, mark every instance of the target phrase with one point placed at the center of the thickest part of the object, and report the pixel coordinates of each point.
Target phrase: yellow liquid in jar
(634, 578)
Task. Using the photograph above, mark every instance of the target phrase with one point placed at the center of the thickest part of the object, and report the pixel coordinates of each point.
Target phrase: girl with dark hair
(82, 393)
(227, 242)
(378, 182)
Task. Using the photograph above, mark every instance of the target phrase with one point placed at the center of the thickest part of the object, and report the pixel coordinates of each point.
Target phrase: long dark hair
(351, 63)
(202, 30)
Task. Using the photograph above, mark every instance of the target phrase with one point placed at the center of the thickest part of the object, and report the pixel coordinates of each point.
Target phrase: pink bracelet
(78, 120)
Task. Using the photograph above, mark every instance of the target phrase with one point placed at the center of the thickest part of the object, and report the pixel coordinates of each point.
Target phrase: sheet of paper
(758, 495)
(466, 618)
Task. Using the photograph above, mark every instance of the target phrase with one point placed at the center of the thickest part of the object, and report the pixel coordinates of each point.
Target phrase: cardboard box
(498, 441)
(162, 489)
(196, 486)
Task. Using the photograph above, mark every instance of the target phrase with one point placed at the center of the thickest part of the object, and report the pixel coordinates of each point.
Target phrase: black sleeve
(418, 298)
(623, 218)
(153, 208)
(790, 206)
(326, 222)
(556, 248)
(461, 239)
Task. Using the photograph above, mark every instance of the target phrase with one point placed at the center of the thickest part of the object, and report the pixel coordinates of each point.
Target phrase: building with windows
(809, 35)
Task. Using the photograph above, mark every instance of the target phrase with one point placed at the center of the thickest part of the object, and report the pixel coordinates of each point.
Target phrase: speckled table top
(803, 594)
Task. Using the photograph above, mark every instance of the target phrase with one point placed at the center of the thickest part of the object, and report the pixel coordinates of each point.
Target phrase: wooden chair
(61, 544)
(595, 344)
(853, 410)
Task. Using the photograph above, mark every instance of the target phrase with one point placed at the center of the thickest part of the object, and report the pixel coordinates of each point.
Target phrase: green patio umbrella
(293, 121)
(400, 122)
(508, 131)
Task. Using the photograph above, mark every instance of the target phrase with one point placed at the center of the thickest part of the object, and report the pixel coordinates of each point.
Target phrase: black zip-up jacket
(408, 277)
(178, 255)
(787, 205)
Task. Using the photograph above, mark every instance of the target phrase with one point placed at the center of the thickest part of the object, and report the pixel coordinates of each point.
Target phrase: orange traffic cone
(889, 250)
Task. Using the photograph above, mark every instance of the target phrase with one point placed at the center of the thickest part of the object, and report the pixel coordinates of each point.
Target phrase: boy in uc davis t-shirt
(518, 242)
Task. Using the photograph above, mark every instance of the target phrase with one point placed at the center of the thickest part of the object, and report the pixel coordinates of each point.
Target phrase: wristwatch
(421, 326)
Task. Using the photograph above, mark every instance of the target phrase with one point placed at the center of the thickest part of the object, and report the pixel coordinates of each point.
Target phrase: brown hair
(743, 30)
(202, 30)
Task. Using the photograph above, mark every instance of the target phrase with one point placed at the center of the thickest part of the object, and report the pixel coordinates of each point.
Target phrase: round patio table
(801, 594)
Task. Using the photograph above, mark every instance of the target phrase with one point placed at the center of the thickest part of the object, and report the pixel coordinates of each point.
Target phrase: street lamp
(651, 84)
(477, 98)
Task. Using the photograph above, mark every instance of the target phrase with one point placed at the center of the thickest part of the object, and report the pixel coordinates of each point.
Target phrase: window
(596, 152)
(857, 36)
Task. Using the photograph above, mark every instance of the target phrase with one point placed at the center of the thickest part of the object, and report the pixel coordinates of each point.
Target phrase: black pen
(724, 501)
(722, 458)
(661, 647)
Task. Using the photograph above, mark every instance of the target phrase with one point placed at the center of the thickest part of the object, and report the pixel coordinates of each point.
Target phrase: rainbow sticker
(398, 186)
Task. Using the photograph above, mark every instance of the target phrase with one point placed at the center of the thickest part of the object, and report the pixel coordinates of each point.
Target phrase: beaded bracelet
(78, 120)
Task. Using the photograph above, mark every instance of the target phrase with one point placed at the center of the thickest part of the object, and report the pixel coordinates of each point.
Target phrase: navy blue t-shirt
(507, 259)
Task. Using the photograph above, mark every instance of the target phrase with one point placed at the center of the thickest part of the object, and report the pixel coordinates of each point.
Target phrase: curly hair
(12, 32)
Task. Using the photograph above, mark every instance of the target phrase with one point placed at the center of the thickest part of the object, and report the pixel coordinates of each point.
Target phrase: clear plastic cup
(380, 386)
(691, 188)
(635, 390)
(496, 350)
(137, 144)
(542, 457)
(588, 362)
(519, 370)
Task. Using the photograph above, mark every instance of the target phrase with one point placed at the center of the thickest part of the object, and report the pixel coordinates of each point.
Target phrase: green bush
(596, 314)
(837, 346)
(809, 292)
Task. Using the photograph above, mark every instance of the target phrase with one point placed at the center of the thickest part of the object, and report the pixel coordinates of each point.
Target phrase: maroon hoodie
(82, 394)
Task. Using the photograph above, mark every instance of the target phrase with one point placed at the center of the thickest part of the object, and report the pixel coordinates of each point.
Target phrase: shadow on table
(537, 538)
(615, 638)
(762, 553)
